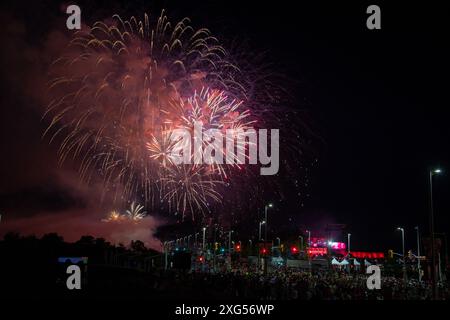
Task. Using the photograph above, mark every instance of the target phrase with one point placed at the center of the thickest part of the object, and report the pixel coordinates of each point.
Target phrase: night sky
(377, 101)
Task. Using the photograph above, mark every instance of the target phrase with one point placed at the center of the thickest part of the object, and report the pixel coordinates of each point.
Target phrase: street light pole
(403, 252)
(433, 249)
(265, 227)
(309, 245)
(204, 231)
(348, 242)
(229, 241)
(265, 234)
(259, 241)
(260, 224)
(266, 222)
(418, 253)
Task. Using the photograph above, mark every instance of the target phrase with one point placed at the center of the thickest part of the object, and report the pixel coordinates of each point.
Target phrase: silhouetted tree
(138, 246)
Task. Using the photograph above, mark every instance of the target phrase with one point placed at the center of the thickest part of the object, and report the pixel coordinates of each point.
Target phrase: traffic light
(222, 250)
(294, 250)
(263, 251)
(238, 248)
(200, 259)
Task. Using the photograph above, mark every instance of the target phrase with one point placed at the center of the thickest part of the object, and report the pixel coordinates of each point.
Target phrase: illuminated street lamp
(309, 237)
(260, 224)
(204, 231)
(279, 241)
(433, 249)
(403, 251)
(259, 240)
(270, 205)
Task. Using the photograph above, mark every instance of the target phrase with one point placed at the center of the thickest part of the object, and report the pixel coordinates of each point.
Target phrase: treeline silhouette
(30, 268)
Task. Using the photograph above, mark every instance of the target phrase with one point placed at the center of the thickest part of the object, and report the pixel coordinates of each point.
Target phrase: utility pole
(418, 254)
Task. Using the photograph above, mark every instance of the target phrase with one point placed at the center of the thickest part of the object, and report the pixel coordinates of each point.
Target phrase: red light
(369, 255)
(200, 259)
(238, 247)
(263, 250)
(294, 250)
(317, 251)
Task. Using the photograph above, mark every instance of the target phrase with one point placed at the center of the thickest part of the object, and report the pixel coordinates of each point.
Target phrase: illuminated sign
(337, 245)
(369, 255)
(317, 251)
(323, 243)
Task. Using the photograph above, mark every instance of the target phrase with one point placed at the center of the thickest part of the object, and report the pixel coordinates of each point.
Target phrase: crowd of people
(118, 271)
(297, 285)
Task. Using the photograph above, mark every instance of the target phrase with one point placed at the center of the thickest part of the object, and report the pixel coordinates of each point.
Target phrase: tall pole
(301, 243)
(214, 248)
(309, 245)
(259, 242)
(403, 252)
(348, 242)
(265, 234)
(418, 254)
(204, 231)
(439, 266)
(229, 241)
(265, 227)
(265, 239)
(260, 224)
(433, 249)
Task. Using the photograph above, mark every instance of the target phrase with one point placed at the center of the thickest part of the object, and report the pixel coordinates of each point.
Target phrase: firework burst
(162, 148)
(121, 88)
(190, 188)
(112, 94)
(136, 212)
(114, 216)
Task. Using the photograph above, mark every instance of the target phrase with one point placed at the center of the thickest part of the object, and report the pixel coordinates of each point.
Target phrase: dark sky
(377, 98)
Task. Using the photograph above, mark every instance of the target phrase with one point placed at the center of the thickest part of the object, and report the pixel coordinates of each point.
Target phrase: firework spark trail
(162, 148)
(190, 187)
(136, 212)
